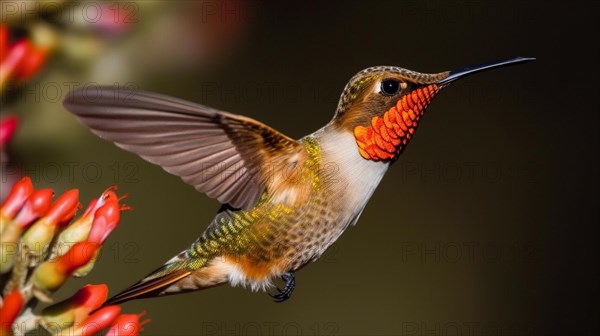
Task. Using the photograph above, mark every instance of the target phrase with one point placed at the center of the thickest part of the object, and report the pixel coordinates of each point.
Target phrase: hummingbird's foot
(286, 292)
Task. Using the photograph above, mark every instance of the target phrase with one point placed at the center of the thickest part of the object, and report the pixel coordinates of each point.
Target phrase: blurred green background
(487, 225)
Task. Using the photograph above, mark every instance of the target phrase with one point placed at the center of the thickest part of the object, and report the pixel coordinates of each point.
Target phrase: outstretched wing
(221, 154)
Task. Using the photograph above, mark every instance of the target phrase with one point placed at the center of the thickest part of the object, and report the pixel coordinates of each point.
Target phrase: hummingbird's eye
(390, 87)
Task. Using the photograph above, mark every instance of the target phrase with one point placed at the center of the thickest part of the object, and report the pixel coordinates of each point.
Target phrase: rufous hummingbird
(284, 201)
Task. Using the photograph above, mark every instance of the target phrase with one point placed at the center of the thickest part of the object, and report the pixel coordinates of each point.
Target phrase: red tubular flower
(106, 219)
(66, 219)
(64, 206)
(90, 297)
(3, 41)
(16, 198)
(7, 129)
(108, 195)
(32, 62)
(77, 256)
(91, 208)
(98, 321)
(40, 234)
(35, 207)
(10, 65)
(11, 308)
(21, 61)
(50, 275)
(76, 308)
(80, 229)
(127, 325)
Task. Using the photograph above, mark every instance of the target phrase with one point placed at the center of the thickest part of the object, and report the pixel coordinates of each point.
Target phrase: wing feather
(219, 153)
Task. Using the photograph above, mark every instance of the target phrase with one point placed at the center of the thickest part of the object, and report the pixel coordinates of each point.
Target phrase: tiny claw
(286, 292)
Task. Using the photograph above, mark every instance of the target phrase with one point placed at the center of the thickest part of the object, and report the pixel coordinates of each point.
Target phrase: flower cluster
(8, 127)
(41, 247)
(20, 60)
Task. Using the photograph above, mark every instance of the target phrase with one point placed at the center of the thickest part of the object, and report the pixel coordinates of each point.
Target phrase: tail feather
(150, 286)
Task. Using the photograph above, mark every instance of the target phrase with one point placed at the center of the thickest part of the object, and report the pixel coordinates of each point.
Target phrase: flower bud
(8, 126)
(66, 219)
(32, 62)
(64, 206)
(35, 207)
(87, 268)
(80, 229)
(40, 235)
(127, 325)
(76, 308)
(10, 65)
(3, 41)
(11, 308)
(52, 274)
(16, 198)
(106, 220)
(98, 321)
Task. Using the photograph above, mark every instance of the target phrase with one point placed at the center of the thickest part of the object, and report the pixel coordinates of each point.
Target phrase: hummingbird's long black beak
(456, 74)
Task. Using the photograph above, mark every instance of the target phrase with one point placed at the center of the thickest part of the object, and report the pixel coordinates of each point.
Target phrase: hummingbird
(284, 201)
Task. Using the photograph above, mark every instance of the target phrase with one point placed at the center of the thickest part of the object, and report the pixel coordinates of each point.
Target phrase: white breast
(354, 178)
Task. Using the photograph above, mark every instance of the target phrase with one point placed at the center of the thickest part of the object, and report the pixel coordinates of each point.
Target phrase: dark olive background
(486, 225)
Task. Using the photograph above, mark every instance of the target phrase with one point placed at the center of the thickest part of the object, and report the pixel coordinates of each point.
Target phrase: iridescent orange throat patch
(388, 135)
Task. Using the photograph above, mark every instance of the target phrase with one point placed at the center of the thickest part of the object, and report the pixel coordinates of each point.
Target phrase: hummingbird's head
(382, 105)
